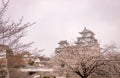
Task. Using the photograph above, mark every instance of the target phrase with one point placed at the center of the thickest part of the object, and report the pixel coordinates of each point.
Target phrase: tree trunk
(10, 63)
(84, 77)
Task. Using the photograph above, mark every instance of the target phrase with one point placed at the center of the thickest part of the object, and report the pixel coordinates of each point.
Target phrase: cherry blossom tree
(84, 58)
(10, 34)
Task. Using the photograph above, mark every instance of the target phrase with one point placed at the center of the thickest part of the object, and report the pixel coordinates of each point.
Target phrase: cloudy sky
(63, 19)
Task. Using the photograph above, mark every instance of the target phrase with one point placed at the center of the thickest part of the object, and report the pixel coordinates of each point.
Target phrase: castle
(86, 41)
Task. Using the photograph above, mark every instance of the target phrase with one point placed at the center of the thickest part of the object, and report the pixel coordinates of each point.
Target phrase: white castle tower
(87, 40)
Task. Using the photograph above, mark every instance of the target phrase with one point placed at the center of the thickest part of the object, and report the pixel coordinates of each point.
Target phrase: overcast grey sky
(63, 19)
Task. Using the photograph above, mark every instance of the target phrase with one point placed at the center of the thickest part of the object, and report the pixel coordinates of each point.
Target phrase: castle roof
(85, 30)
(63, 42)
